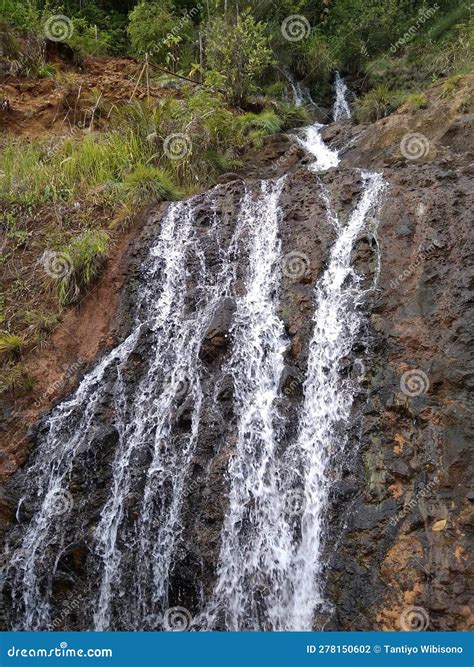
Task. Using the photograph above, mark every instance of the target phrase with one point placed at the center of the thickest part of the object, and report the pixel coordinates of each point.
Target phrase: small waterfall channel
(341, 109)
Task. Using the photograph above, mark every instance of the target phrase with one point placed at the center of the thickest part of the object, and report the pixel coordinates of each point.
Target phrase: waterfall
(311, 140)
(151, 458)
(326, 411)
(269, 571)
(301, 94)
(341, 109)
(251, 553)
(297, 92)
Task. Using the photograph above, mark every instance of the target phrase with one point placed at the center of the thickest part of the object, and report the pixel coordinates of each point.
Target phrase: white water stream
(341, 109)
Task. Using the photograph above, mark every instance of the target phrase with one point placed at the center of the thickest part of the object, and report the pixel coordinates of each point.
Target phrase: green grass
(416, 101)
(443, 51)
(10, 344)
(103, 165)
(40, 323)
(83, 258)
(451, 85)
(376, 104)
(46, 70)
(292, 116)
(267, 122)
(16, 380)
(100, 180)
(146, 184)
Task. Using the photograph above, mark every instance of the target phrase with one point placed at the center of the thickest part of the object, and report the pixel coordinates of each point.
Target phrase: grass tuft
(147, 184)
(376, 104)
(16, 380)
(10, 344)
(87, 255)
(416, 101)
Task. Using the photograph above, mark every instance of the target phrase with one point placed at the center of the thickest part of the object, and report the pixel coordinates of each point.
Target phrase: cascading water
(326, 411)
(297, 92)
(311, 140)
(269, 572)
(341, 109)
(301, 94)
(270, 565)
(251, 554)
(143, 424)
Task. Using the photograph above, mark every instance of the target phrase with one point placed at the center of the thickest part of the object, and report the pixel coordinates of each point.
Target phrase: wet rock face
(403, 543)
(217, 338)
(401, 505)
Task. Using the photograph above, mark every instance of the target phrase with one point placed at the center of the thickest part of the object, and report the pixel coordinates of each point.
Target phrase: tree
(239, 50)
(156, 30)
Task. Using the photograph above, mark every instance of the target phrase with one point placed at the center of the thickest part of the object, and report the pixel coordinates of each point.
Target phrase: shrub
(19, 58)
(240, 52)
(279, 89)
(88, 38)
(320, 59)
(154, 29)
(377, 103)
(20, 14)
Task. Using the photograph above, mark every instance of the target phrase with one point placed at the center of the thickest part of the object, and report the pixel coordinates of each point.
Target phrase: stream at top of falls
(341, 109)
(269, 572)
